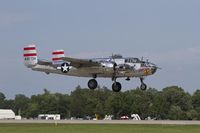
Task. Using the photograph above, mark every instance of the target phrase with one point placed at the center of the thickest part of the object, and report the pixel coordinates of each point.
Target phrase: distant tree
(86, 102)
(48, 103)
(157, 104)
(100, 96)
(21, 104)
(9, 104)
(33, 110)
(177, 99)
(6, 104)
(63, 103)
(170, 103)
(196, 103)
(2, 100)
(192, 114)
(82, 103)
(46, 91)
(196, 99)
(115, 105)
(2, 96)
(176, 113)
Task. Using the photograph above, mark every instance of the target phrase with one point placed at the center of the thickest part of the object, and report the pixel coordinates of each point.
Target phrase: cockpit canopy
(116, 56)
(132, 60)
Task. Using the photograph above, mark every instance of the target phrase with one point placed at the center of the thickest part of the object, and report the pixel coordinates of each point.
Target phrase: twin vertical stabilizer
(56, 59)
(30, 56)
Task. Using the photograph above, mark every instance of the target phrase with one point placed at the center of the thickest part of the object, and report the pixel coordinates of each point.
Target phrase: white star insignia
(65, 68)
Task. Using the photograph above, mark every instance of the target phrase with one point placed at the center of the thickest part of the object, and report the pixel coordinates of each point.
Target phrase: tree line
(170, 103)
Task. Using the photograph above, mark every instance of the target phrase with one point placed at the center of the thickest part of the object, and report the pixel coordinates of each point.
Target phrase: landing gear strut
(92, 84)
(116, 86)
(128, 79)
(143, 86)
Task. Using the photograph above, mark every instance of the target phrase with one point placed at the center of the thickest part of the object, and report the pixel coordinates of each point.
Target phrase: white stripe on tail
(30, 56)
(56, 59)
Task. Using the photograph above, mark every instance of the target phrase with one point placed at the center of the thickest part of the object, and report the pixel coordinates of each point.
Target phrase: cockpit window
(142, 64)
(132, 60)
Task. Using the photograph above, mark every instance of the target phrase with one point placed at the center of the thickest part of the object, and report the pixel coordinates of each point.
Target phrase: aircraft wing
(80, 62)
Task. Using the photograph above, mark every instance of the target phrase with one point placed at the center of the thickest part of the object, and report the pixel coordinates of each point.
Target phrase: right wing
(80, 62)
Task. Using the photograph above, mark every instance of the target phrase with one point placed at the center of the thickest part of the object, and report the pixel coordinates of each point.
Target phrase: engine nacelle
(107, 64)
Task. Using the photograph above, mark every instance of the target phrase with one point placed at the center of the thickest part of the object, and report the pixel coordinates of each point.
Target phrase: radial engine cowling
(108, 64)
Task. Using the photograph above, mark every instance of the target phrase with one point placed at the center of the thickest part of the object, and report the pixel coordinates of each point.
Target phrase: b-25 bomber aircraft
(112, 67)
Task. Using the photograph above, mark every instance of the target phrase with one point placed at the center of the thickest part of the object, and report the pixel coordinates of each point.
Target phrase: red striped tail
(56, 59)
(30, 56)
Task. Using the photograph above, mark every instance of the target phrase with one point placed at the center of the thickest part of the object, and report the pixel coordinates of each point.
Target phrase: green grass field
(96, 128)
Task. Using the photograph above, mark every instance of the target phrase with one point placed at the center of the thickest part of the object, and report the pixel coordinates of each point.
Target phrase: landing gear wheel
(92, 84)
(143, 86)
(116, 87)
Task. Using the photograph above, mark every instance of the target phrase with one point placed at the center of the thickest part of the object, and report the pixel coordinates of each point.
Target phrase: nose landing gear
(143, 86)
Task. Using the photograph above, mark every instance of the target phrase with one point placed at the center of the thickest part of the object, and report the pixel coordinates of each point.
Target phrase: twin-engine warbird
(113, 67)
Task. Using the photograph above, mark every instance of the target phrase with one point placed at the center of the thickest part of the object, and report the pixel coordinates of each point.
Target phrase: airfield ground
(97, 128)
(146, 122)
(35, 126)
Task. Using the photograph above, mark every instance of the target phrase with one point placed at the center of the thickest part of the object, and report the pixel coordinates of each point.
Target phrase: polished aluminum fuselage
(123, 69)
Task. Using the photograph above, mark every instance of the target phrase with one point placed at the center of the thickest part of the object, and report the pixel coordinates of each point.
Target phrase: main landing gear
(92, 84)
(116, 86)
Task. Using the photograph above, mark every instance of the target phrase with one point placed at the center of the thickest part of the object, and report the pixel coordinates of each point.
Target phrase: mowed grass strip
(97, 128)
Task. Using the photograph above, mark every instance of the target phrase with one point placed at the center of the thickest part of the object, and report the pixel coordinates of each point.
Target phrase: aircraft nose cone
(153, 69)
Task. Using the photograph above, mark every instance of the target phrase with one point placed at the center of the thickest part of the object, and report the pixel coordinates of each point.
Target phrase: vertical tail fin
(56, 59)
(30, 56)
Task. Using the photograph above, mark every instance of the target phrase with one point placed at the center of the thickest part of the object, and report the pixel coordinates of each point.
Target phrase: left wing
(80, 62)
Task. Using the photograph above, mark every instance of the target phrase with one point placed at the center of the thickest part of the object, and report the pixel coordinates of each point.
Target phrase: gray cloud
(165, 32)
(8, 20)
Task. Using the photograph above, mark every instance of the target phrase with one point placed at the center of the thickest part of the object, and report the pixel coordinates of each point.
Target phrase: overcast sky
(166, 32)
